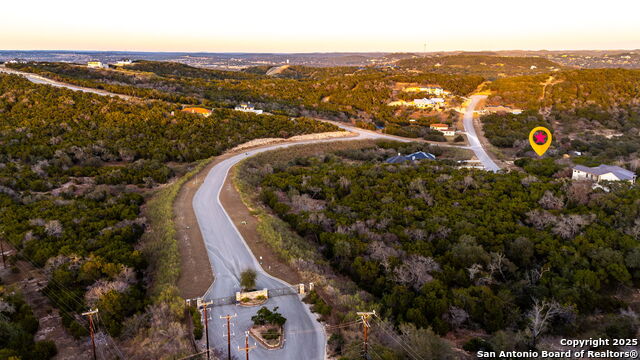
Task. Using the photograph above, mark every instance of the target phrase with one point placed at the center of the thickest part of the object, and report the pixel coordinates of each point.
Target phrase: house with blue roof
(416, 156)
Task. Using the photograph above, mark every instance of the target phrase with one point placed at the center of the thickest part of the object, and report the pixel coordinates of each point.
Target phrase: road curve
(37, 79)
(474, 142)
(229, 254)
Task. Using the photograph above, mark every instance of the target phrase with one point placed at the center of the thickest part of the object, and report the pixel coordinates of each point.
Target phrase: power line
(246, 347)
(400, 342)
(365, 328)
(228, 317)
(64, 290)
(90, 314)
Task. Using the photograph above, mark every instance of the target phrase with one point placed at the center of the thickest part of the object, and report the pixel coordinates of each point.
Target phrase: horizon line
(310, 52)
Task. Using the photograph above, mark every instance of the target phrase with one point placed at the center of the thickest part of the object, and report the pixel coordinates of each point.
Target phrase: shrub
(197, 323)
(248, 279)
(45, 350)
(265, 316)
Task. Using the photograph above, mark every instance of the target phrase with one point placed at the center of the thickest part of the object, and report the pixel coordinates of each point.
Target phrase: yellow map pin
(540, 140)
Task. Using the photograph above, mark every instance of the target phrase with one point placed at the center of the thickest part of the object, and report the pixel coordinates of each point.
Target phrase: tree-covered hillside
(339, 93)
(459, 249)
(490, 67)
(593, 111)
(74, 169)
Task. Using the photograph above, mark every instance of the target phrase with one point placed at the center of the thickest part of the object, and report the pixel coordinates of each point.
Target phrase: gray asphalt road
(229, 256)
(474, 142)
(37, 79)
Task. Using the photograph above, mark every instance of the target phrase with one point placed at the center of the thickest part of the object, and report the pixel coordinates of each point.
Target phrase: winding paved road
(474, 142)
(37, 79)
(230, 255)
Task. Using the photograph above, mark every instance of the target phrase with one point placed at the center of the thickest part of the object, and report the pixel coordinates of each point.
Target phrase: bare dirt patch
(196, 275)
(247, 224)
(195, 269)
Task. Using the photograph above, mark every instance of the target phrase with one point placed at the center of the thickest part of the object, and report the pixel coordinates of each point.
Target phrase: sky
(319, 26)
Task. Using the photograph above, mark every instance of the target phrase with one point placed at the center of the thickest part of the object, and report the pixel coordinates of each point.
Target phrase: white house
(248, 108)
(95, 64)
(427, 103)
(602, 173)
(431, 90)
(123, 62)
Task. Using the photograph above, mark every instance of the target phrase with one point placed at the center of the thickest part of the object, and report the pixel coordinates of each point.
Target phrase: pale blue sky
(330, 25)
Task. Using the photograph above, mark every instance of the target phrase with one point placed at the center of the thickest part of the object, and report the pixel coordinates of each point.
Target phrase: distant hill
(594, 111)
(164, 68)
(491, 67)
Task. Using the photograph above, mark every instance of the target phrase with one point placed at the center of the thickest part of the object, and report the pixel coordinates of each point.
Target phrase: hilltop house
(602, 173)
(416, 156)
(123, 62)
(247, 107)
(443, 128)
(197, 110)
(439, 127)
(431, 90)
(428, 103)
(95, 64)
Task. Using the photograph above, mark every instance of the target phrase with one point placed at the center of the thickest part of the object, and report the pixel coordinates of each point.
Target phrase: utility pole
(364, 316)
(246, 347)
(206, 325)
(228, 317)
(90, 314)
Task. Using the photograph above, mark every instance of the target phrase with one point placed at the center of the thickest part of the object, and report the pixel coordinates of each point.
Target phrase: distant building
(421, 155)
(443, 128)
(431, 90)
(197, 110)
(603, 173)
(399, 103)
(397, 159)
(17, 61)
(416, 156)
(95, 64)
(439, 127)
(123, 62)
(428, 103)
(500, 109)
(246, 107)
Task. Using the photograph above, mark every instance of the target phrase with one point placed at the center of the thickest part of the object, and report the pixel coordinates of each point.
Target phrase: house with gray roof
(416, 156)
(603, 173)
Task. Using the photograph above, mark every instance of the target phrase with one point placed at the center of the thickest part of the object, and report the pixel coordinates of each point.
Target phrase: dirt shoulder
(247, 224)
(195, 270)
(196, 275)
(494, 153)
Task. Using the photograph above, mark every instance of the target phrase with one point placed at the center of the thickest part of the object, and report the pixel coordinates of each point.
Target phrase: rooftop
(197, 110)
(620, 173)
